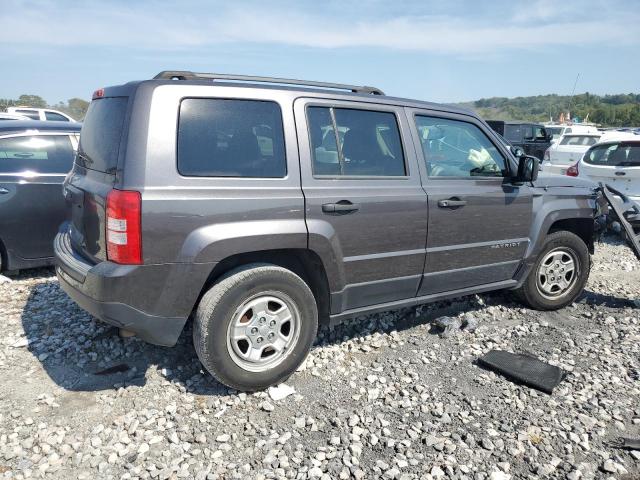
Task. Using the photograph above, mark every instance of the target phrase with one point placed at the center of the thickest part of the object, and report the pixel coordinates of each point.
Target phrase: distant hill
(609, 110)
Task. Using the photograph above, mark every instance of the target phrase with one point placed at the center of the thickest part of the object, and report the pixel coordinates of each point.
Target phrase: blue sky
(441, 50)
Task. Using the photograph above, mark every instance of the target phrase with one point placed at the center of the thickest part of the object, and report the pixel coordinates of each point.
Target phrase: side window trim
(488, 133)
(376, 108)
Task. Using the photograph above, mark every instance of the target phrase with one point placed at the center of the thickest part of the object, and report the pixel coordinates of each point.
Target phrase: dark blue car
(35, 157)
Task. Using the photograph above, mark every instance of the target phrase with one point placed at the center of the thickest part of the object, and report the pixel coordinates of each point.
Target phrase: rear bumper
(154, 301)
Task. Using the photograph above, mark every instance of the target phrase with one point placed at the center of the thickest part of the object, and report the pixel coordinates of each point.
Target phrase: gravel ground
(383, 396)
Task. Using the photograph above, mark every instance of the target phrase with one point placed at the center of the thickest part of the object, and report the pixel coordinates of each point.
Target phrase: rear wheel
(255, 326)
(559, 274)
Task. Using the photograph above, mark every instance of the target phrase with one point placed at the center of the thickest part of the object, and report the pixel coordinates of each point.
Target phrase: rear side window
(38, 154)
(579, 140)
(33, 114)
(231, 138)
(55, 117)
(614, 155)
(101, 134)
(513, 133)
(354, 142)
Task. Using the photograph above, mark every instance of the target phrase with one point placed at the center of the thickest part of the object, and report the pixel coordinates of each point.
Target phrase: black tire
(220, 305)
(530, 294)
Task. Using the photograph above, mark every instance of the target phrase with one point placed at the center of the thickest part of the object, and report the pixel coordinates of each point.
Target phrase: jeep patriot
(263, 207)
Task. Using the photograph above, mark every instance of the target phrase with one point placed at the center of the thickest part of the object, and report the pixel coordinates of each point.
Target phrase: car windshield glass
(579, 140)
(615, 155)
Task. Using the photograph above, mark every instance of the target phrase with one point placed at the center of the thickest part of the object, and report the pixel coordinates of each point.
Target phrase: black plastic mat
(524, 368)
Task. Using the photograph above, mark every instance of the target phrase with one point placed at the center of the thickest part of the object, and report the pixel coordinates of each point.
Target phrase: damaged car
(260, 208)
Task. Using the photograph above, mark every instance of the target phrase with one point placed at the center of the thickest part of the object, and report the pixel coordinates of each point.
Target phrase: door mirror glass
(528, 167)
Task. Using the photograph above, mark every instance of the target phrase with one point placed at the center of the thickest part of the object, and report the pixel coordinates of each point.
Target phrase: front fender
(553, 205)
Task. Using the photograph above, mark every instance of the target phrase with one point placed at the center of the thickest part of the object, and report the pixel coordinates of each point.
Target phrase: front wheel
(559, 274)
(255, 326)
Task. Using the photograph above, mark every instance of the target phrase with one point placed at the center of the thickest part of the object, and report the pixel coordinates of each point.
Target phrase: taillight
(572, 171)
(98, 93)
(124, 240)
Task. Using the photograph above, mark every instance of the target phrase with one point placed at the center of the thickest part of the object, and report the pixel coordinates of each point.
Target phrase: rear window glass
(38, 154)
(615, 155)
(101, 134)
(231, 138)
(579, 140)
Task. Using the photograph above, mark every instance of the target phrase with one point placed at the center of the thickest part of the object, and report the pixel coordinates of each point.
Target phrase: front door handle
(3, 191)
(452, 203)
(343, 206)
(620, 174)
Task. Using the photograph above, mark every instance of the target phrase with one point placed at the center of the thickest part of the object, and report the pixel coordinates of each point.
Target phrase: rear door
(479, 221)
(32, 169)
(616, 164)
(363, 198)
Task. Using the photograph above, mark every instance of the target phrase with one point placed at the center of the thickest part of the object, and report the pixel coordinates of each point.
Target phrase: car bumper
(153, 301)
(555, 169)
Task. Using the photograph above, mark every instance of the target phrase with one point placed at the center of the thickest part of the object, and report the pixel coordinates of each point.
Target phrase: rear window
(37, 154)
(579, 140)
(101, 134)
(231, 138)
(614, 155)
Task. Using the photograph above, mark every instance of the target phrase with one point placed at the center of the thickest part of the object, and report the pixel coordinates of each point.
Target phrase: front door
(479, 221)
(365, 209)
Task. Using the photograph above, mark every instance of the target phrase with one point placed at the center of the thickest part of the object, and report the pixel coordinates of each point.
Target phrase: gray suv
(262, 210)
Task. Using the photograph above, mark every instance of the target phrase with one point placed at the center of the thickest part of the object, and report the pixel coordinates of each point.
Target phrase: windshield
(624, 154)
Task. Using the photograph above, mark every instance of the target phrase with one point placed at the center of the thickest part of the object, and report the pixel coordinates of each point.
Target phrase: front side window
(540, 133)
(452, 148)
(55, 117)
(351, 142)
(36, 154)
(615, 155)
(231, 138)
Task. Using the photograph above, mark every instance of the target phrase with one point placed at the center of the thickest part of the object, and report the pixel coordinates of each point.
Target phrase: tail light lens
(124, 239)
(572, 171)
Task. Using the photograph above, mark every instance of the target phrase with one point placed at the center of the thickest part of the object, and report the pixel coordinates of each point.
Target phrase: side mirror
(528, 167)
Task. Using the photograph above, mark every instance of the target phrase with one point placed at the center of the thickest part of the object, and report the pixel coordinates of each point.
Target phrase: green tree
(35, 101)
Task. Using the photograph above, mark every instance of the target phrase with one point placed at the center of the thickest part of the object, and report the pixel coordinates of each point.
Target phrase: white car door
(616, 164)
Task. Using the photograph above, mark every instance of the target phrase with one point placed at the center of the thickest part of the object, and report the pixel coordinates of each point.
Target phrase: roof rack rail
(184, 75)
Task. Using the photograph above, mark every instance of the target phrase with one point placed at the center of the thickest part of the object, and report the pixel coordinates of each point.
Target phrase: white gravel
(382, 396)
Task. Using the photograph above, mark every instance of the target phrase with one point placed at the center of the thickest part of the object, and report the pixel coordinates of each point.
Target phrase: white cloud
(156, 25)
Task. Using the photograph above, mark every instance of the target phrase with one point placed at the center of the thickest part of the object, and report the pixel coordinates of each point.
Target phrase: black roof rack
(182, 75)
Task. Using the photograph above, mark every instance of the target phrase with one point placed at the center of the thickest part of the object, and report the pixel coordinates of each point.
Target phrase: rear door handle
(452, 203)
(3, 191)
(343, 206)
(620, 174)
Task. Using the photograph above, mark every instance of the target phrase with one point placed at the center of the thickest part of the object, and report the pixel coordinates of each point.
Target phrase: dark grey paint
(31, 204)
(397, 249)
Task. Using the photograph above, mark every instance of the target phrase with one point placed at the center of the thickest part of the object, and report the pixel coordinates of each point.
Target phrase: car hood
(549, 181)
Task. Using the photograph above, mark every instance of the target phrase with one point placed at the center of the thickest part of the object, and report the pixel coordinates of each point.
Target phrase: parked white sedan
(615, 161)
(567, 151)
